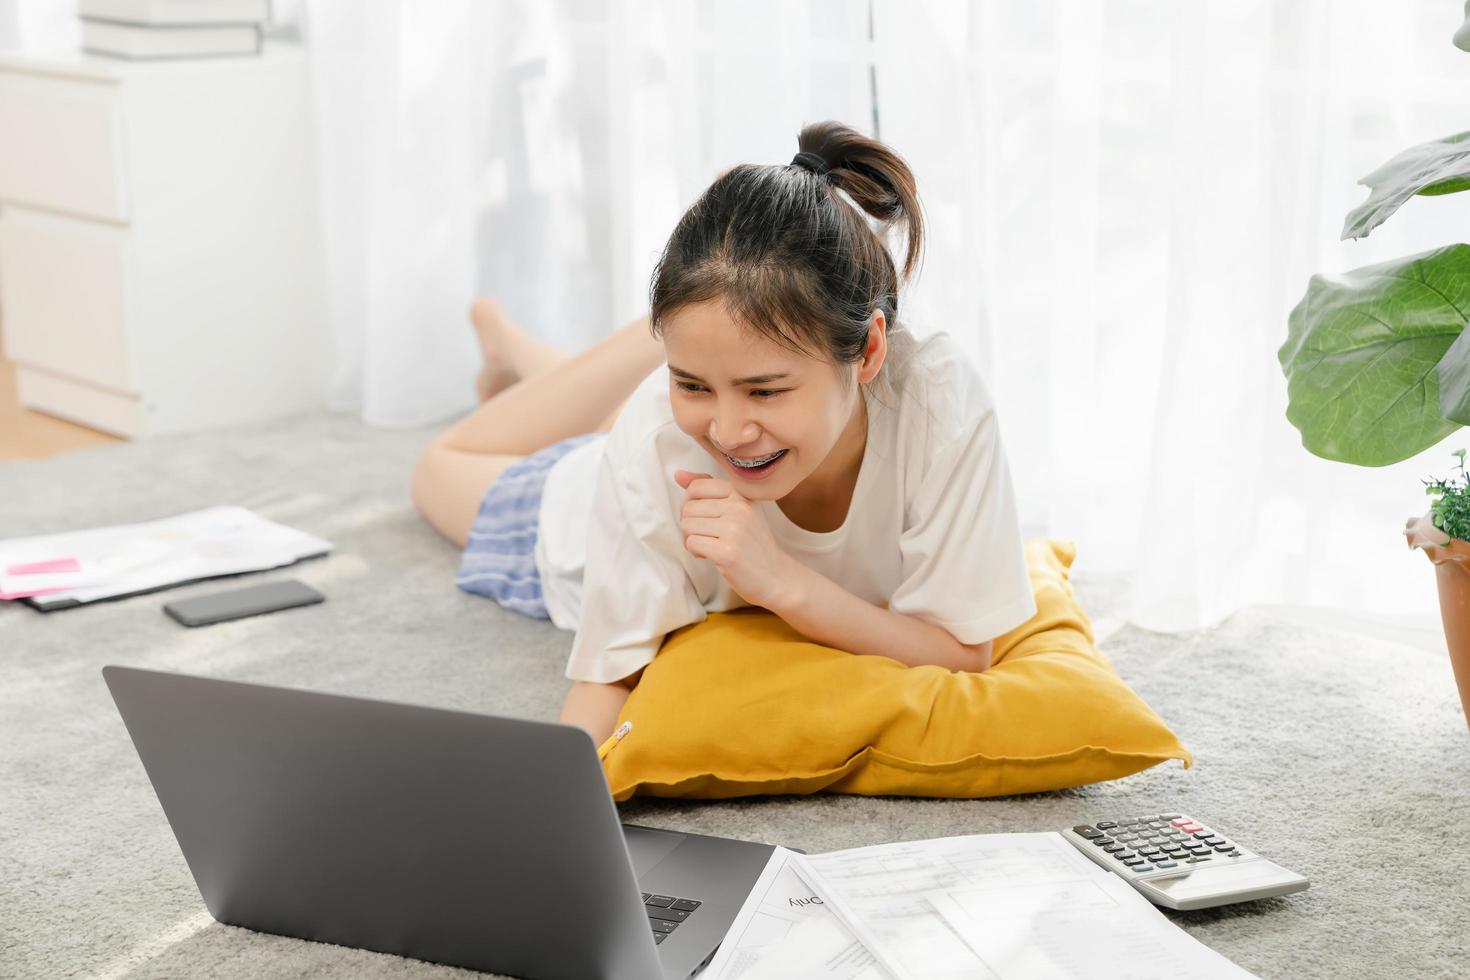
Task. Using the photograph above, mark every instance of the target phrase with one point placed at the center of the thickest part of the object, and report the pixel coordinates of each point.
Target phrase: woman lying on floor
(802, 451)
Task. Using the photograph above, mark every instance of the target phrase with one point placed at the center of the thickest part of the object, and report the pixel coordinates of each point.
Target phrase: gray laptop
(483, 842)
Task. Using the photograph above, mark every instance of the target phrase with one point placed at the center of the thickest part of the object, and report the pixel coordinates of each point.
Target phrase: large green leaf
(1454, 381)
(1437, 167)
(1361, 353)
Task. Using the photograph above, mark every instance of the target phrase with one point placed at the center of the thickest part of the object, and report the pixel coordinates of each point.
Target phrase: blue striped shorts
(499, 560)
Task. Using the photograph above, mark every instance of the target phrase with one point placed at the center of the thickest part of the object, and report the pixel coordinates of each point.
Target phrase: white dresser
(161, 257)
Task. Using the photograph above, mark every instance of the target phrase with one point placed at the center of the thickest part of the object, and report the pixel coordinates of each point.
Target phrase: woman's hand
(722, 526)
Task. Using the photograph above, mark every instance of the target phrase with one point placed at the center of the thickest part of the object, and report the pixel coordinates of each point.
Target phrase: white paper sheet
(887, 896)
(785, 932)
(1077, 929)
(123, 559)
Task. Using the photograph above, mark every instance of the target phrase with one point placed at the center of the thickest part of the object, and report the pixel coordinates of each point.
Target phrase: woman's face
(740, 395)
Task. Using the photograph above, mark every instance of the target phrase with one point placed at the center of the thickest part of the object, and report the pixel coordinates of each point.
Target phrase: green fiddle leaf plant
(1377, 360)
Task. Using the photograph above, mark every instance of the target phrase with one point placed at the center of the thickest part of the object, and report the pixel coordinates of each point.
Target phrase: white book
(140, 42)
(177, 12)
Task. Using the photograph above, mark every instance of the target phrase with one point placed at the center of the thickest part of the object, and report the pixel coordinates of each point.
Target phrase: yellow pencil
(614, 739)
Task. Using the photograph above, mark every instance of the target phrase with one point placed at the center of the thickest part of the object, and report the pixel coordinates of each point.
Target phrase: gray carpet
(1344, 758)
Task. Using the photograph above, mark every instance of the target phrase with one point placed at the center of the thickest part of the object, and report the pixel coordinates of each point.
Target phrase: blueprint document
(1002, 906)
(785, 932)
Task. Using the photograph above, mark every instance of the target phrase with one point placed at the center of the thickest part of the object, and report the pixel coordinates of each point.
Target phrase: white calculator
(1178, 862)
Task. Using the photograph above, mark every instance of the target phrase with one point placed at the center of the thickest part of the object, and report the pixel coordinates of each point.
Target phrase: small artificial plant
(1451, 505)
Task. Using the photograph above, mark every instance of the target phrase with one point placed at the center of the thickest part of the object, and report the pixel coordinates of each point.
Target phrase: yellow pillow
(743, 705)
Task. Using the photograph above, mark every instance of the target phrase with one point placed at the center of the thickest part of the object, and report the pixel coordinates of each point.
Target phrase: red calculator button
(1180, 822)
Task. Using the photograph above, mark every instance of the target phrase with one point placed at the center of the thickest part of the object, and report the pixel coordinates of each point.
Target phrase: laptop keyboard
(665, 912)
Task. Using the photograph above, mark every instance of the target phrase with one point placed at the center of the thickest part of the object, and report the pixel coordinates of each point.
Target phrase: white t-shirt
(931, 532)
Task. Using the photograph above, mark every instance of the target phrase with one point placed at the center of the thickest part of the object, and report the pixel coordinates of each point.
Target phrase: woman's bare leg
(557, 395)
(560, 396)
(448, 485)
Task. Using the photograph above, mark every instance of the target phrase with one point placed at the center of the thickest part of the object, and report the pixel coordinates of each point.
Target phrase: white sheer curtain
(1136, 193)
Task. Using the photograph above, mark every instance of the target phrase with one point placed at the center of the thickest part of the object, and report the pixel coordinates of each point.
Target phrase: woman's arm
(826, 613)
(595, 707)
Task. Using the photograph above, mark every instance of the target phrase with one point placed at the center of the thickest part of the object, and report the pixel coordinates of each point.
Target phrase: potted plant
(1444, 534)
(1377, 362)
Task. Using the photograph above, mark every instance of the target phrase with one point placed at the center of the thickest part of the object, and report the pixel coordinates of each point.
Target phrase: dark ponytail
(792, 258)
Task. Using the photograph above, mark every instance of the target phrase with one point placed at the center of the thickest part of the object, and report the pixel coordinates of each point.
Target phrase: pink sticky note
(44, 567)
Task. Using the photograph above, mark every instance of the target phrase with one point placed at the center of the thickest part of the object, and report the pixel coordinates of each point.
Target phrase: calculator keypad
(1150, 843)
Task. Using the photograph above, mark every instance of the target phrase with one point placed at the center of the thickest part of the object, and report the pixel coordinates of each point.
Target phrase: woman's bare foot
(498, 372)
(511, 354)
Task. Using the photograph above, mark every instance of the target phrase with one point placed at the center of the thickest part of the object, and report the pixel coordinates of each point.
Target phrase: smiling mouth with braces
(758, 461)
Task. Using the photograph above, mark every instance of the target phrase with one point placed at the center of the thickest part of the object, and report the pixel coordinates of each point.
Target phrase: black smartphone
(239, 603)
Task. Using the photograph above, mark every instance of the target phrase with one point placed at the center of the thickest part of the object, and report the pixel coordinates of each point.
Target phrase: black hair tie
(812, 162)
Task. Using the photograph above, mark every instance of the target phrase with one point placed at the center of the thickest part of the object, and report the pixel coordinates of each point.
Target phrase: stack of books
(149, 29)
